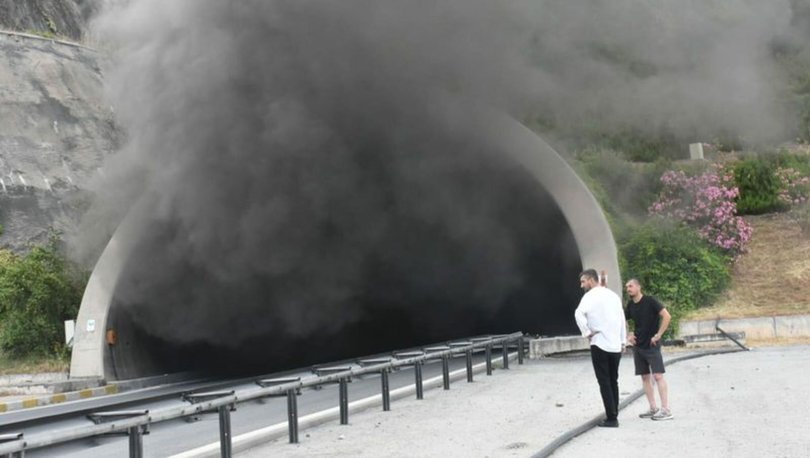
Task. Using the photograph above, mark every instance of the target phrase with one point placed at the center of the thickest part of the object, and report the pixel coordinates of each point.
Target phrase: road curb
(58, 398)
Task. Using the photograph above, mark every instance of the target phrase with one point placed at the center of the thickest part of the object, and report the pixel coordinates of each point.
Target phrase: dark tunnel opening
(420, 283)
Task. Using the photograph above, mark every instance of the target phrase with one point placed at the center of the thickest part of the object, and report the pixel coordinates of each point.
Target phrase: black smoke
(306, 178)
(303, 169)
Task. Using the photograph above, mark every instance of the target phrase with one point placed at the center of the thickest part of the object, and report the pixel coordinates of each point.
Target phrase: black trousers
(606, 368)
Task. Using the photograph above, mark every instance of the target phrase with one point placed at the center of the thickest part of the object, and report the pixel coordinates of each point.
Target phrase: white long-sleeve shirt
(600, 313)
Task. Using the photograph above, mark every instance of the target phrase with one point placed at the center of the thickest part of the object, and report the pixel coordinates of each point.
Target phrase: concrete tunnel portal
(424, 293)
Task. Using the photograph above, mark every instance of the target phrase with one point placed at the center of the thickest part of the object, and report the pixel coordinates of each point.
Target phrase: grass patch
(771, 278)
(32, 365)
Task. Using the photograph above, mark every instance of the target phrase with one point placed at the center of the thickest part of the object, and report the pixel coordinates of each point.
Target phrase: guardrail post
(446, 371)
(505, 350)
(417, 372)
(225, 431)
(224, 416)
(344, 401)
(469, 366)
(135, 433)
(135, 442)
(292, 402)
(386, 395)
(417, 369)
(489, 358)
(520, 350)
(292, 415)
(727, 335)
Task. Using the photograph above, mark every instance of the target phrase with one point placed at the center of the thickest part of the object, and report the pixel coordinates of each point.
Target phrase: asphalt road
(745, 404)
(172, 437)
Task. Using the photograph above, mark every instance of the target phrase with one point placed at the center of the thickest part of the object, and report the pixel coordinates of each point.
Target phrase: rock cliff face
(55, 130)
(62, 18)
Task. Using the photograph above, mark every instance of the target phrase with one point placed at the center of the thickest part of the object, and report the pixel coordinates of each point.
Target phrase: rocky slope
(55, 130)
(61, 18)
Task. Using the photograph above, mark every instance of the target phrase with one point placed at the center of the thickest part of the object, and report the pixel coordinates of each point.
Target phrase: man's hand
(655, 339)
(631, 339)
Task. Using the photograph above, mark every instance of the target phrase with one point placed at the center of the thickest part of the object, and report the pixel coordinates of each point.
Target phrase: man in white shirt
(600, 317)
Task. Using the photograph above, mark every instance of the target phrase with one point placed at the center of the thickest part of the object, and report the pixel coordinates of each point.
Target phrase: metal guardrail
(11, 438)
(730, 337)
(135, 424)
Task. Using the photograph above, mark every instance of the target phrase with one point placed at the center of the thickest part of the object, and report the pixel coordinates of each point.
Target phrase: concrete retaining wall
(754, 328)
(23, 379)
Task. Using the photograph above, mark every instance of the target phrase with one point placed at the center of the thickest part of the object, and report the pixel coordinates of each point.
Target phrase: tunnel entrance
(510, 265)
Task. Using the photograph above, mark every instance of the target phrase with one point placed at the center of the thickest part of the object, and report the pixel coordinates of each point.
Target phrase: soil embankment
(771, 278)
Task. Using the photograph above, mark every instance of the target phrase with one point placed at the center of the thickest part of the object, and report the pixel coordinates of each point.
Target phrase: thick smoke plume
(288, 165)
(695, 70)
(287, 162)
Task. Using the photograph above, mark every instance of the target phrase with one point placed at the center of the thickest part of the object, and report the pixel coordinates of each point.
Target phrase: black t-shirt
(644, 314)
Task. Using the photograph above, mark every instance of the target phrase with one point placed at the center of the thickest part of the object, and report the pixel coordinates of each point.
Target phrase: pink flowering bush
(707, 203)
(795, 188)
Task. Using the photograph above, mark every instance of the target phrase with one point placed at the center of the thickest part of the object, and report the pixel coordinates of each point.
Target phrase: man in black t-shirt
(651, 320)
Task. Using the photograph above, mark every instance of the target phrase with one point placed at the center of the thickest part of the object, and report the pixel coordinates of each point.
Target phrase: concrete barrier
(42, 386)
(754, 328)
(792, 326)
(713, 340)
(545, 346)
(41, 378)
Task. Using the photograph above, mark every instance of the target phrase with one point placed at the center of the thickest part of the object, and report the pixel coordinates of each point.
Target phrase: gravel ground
(739, 404)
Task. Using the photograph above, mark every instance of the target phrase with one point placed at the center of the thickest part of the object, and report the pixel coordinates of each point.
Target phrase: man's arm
(582, 319)
(665, 319)
(631, 336)
(623, 330)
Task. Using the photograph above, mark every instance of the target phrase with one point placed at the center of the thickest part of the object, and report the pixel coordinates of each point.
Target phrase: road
(171, 437)
(746, 404)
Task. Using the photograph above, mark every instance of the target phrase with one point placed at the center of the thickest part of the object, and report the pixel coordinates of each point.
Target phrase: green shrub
(729, 143)
(674, 265)
(759, 187)
(629, 187)
(598, 191)
(787, 160)
(803, 121)
(37, 293)
(638, 146)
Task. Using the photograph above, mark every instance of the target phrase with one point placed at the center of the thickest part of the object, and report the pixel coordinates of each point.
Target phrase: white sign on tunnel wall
(91, 325)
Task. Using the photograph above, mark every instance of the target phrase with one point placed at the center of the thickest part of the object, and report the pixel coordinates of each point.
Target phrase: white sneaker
(648, 414)
(663, 414)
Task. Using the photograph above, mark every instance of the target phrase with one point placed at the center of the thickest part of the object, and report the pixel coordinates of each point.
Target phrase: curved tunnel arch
(587, 225)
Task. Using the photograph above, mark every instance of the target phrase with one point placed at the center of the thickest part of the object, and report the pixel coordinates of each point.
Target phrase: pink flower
(707, 203)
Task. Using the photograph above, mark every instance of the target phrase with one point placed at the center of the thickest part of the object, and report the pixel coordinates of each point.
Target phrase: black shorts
(647, 359)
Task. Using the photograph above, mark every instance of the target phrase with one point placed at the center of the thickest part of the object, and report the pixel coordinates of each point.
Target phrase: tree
(38, 292)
